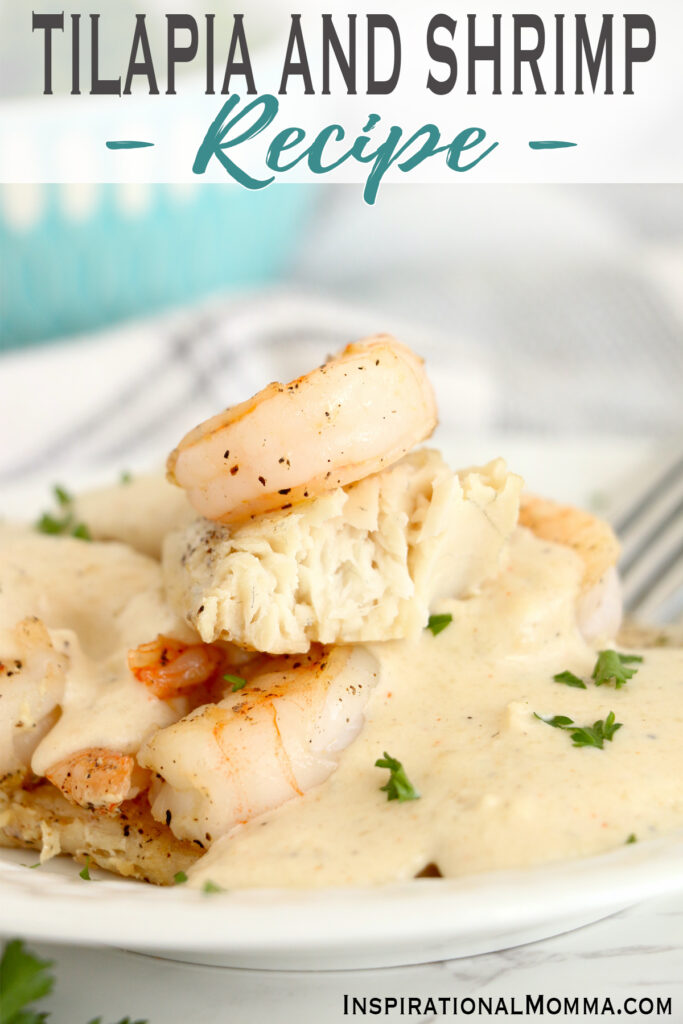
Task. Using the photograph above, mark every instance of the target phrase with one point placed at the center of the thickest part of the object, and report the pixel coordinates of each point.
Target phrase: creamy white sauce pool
(97, 601)
(499, 789)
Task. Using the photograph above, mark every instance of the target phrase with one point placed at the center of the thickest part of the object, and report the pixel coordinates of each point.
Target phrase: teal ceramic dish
(72, 263)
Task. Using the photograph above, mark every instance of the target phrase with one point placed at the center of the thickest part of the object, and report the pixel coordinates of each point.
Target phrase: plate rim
(58, 906)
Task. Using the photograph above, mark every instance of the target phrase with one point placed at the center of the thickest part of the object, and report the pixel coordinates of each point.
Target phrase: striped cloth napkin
(83, 409)
(125, 397)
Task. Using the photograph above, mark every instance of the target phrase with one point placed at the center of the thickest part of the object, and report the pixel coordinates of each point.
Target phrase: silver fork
(649, 524)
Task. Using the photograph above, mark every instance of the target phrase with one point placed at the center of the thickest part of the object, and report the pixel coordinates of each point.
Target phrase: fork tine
(651, 532)
(655, 587)
(663, 516)
(653, 486)
(650, 529)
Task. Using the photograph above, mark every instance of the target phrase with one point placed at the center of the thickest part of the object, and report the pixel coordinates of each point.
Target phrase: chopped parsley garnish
(584, 736)
(62, 495)
(210, 887)
(125, 477)
(569, 679)
(612, 667)
(238, 683)
(50, 524)
(66, 524)
(557, 721)
(631, 839)
(25, 979)
(179, 878)
(126, 1020)
(85, 873)
(81, 532)
(399, 786)
(438, 622)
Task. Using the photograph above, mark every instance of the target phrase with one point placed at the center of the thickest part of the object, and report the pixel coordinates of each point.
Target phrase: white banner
(116, 91)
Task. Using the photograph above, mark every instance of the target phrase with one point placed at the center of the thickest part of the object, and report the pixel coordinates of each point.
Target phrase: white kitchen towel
(124, 397)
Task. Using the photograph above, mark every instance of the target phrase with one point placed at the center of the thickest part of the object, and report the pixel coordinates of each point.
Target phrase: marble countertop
(636, 954)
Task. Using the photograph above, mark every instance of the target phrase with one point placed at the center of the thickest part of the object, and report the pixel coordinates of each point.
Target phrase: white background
(619, 138)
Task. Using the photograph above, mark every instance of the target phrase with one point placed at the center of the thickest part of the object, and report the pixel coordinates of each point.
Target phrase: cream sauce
(97, 601)
(499, 788)
(139, 513)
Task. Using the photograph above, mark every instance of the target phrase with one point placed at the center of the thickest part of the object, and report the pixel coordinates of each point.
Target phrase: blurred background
(544, 308)
(129, 311)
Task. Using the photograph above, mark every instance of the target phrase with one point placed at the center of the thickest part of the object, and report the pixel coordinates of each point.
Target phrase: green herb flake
(584, 736)
(179, 878)
(62, 495)
(437, 623)
(85, 873)
(569, 679)
(631, 839)
(125, 1020)
(50, 524)
(594, 735)
(210, 887)
(557, 721)
(126, 477)
(56, 526)
(23, 979)
(238, 683)
(612, 667)
(399, 786)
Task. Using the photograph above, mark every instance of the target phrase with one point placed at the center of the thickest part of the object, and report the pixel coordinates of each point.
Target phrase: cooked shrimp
(357, 414)
(599, 610)
(170, 667)
(98, 779)
(270, 741)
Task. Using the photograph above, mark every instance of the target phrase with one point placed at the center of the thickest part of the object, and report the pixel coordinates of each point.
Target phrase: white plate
(415, 922)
